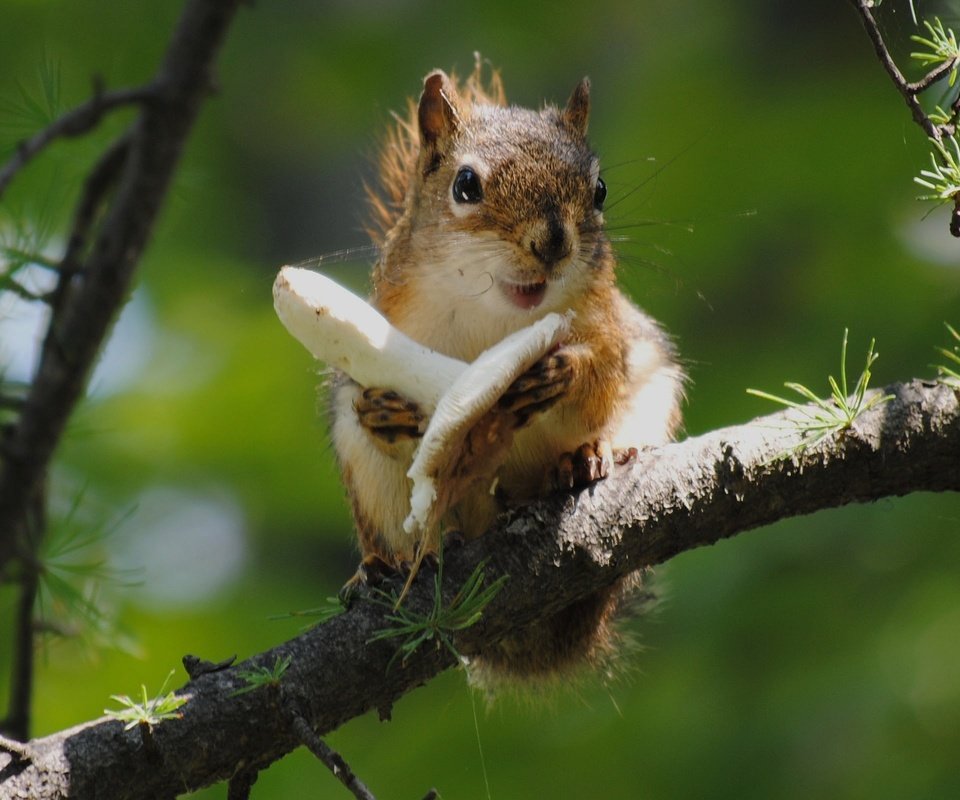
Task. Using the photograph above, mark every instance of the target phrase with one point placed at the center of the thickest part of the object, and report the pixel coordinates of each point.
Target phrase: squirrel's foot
(590, 463)
(624, 455)
(453, 539)
(539, 387)
(372, 572)
(388, 416)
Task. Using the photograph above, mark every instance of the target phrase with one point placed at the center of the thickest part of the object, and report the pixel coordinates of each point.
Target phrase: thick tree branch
(673, 499)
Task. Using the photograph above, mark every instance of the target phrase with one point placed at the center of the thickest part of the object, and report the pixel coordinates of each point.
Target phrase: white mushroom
(470, 398)
(346, 332)
(342, 330)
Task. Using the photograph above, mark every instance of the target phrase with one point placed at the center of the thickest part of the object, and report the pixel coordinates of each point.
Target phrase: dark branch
(330, 758)
(17, 722)
(911, 91)
(938, 72)
(74, 123)
(239, 786)
(88, 300)
(908, 91)
(556, 551)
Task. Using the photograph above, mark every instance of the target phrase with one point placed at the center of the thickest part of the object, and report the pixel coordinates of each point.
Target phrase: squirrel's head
(506, 207)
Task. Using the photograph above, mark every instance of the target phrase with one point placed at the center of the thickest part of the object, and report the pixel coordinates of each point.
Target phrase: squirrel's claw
(388, 416)
(371, 572)
(539, 387)
(590, 463)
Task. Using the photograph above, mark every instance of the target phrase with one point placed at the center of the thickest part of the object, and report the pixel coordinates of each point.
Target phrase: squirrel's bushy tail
(582, 639)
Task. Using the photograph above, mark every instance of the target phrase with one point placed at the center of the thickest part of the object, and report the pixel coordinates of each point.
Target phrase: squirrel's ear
(437, 112)
(578, 107)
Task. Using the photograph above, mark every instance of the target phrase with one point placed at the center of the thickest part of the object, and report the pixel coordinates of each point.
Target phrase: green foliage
(942, 46)
(24, 235)
(32, 107)
(73, 568)
(440, 623)
(950, 375)
(784, 650)
(333, 607)
(148, 711)
(821, 417)
(258, 677)
(944, 176)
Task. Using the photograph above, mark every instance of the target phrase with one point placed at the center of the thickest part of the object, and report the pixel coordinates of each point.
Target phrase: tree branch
(556, 551)
(330, 758)
(908, 91)
(74, 123)
(89, 298)
(911, 92)
(17, 722)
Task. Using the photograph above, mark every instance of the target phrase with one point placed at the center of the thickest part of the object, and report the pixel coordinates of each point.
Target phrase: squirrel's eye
(466, 186)
(600, 194)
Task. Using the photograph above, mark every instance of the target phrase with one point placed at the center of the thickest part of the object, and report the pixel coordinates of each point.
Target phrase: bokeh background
(763, 164)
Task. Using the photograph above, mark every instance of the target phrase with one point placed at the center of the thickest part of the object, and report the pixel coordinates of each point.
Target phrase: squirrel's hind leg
(371, 572)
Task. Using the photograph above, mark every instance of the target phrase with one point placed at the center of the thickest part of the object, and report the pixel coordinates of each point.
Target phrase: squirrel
(486, 218)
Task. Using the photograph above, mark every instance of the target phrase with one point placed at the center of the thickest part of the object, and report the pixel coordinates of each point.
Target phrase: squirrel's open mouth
(525, 295)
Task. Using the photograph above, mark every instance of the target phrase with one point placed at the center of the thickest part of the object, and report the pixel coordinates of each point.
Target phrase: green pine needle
(440, 624)
(333, 607)
(943, 178)
(258, 677)
(819, 417)
(35, 105)
(941, 47)
(73, 569)
(147, 712)
(950, 373)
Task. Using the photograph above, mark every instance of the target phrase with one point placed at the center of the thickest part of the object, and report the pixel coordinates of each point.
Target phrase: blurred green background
(764, 164)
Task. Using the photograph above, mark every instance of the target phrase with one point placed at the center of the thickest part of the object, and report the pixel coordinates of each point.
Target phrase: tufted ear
(437, 114)
(578, 108)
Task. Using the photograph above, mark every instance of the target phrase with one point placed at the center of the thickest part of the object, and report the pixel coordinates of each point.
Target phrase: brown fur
(450, 274)
(400, 148)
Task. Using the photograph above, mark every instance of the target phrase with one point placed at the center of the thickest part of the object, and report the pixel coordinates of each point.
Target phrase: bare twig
(908, 91)
(239, 786)
(74, 123)
(19, 749)
(25, 257)
(99, 182)
(17, 722)
(330, 757)
(920, 86)
(13, 286)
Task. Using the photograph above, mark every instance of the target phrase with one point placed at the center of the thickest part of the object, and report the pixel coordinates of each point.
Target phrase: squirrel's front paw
(546, 382)
(388, 416)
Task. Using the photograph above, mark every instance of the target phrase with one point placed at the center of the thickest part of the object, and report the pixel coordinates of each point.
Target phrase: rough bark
(673, 499)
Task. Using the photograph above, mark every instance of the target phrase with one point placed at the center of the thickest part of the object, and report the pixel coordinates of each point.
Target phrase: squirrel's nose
(551, 243)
